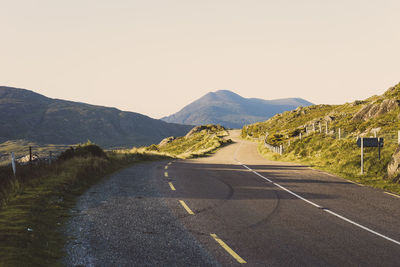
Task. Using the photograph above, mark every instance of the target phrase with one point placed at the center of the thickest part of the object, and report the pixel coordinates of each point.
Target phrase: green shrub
(84, 151)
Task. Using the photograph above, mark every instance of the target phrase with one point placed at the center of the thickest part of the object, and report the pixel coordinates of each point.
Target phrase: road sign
(370, 142)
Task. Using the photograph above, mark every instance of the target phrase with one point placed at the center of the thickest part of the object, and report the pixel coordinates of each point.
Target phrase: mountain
(30, 116)
(231, 110)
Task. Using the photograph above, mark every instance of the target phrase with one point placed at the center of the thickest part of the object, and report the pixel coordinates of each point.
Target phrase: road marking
(172, 186)
(392, 194)
(166, 174)
(186, 207)
(354, 183)
(166, 167)
(324, 209)
(228, 249)
(169, 163)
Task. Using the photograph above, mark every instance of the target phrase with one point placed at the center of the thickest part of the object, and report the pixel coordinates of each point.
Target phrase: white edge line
(326, 210)
(362, 227)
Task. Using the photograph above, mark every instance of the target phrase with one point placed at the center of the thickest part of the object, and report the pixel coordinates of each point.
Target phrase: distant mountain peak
(232, 110)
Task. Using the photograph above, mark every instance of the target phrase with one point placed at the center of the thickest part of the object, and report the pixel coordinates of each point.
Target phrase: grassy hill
(231, 110)
(25, 115)
(377, 115)
(201, 140)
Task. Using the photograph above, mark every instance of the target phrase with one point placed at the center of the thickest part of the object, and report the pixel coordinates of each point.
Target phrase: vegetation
(201, 140)
(377, 115)
(36, 203)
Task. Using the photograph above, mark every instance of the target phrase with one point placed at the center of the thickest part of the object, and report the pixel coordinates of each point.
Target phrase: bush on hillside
(86, 150)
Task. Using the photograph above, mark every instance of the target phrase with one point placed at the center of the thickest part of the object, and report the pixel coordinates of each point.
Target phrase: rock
(329, 118)
(374, 110)
(196, 129)
(375, 130)
(393, 169)
(25, 159)
(167, 140)
(357, 102)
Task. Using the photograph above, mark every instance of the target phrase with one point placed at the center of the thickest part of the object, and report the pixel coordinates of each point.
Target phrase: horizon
(156, 57)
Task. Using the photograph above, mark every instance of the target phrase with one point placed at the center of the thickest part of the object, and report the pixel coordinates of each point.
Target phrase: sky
(156, 56)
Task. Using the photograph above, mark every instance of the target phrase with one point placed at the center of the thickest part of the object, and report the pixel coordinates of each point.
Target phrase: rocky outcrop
(393, 169)
(196, 129)
(374, 110)
(166, 141)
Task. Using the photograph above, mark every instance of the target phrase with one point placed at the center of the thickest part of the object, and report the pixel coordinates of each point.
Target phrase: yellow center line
(166, 174)
(392, 194)
(172, 186)
(166, 167)
(186, 207)
(228, 249)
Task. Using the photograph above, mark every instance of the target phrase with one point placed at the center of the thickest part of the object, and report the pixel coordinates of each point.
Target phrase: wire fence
(389, 137)
(29, 154)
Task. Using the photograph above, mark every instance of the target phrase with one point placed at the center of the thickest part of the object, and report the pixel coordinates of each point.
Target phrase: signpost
(369, 142)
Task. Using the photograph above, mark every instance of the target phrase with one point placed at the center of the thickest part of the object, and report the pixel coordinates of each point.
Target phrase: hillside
(26, 115)
(334, 148)
(231, 110)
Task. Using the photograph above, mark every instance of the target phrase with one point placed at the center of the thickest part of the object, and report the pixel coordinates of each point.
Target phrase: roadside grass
(37, 203)
(306, 139)
(340, 157)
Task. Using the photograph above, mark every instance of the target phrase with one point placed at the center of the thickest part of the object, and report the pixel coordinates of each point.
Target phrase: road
(233, 208)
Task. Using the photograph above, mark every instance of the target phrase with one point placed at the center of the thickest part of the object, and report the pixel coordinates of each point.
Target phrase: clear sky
(156, 56)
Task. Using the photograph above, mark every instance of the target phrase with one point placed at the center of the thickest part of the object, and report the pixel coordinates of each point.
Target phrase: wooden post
(362, 155)
(320, 127)
(30, 155)
(13, 163)
(339, 134)
(398, 137)
(326, 127)
(280, 149)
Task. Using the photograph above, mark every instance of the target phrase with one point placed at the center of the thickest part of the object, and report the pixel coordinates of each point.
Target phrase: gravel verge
(124, 221)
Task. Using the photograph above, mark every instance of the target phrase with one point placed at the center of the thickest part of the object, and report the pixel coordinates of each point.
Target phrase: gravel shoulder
(124, 221)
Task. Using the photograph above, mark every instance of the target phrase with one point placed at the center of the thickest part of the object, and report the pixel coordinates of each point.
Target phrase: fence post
(326, 127)
(398, 137)
(30, 156)
(320, 127)
(339, 134)
(13, 163)
(362, 155)
(280, 150)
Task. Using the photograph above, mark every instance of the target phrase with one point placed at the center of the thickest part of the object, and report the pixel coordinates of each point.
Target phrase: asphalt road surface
(230, 209)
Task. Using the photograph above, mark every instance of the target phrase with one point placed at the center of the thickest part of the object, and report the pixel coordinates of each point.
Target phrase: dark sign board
(370, 142)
